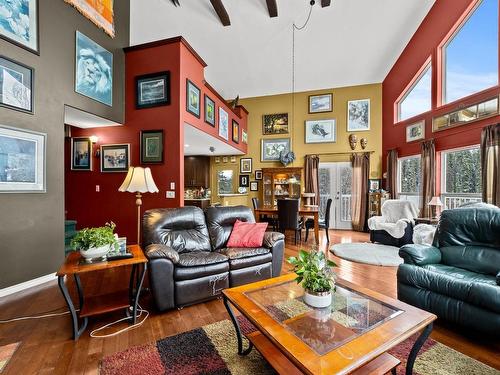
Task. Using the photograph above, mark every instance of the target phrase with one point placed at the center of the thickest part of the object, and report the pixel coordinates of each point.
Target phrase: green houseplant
(95, 242)
(315, 274)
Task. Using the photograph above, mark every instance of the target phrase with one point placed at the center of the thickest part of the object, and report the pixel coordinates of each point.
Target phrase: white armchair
(395, 226)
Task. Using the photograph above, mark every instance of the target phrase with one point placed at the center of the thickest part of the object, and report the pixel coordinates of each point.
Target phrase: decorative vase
(318, 300)
(95, 252)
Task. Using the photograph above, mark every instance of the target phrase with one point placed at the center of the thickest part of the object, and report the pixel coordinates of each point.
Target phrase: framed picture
(94, 70)
(225, 159)
(81, 154)
(374, 184)
(16, 85)
(415, 132)
(244, 180)
(209, 111)
(233, 159)
(217, 159)
(244, 137)
(151, 146)
(19, 23)
(223, 124)
(22, 160)
(246, 165)
(358, 115)
(258, 174)
(321, 131)
(152, 90)
(236, 132)
(275, 124)
(272, 148)
(192, 98)
(115, 158)
(98, 12)
(254, 186)
(320, 103)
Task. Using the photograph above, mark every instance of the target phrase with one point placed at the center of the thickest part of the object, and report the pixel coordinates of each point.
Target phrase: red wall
(91, 208)
(435, 27)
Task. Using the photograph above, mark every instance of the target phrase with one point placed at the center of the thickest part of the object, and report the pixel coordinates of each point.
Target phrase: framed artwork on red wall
(151, 146)
(236, 132)
(115, 158)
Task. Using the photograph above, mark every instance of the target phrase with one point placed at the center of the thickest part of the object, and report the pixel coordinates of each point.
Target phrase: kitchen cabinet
(197, 171)
(201, 203)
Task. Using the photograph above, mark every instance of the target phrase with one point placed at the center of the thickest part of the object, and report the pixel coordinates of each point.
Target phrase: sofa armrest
(420, 255)
(270, 239)
(158, 251)
(498, 278)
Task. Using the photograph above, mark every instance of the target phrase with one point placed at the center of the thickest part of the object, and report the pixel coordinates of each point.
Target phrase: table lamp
(138, 180)
(435, 202)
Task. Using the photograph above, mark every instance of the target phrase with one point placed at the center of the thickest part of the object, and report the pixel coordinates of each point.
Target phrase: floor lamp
(138, 180)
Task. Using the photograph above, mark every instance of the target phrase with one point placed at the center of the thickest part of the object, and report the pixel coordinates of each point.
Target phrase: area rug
(212, 350)
(6, 353)
(369, 253)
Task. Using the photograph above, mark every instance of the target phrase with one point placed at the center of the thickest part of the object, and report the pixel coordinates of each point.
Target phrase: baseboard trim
(26, 285)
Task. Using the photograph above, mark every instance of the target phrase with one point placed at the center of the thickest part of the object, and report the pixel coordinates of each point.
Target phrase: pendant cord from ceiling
(298, 28)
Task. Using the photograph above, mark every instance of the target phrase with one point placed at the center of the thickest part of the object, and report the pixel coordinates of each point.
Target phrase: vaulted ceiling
(350, 42)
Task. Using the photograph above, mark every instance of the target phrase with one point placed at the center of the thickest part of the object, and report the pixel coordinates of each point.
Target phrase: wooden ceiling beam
(221, 12)
(325, 3)
(272, 7)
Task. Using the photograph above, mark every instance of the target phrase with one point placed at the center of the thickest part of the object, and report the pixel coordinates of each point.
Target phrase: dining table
(307, 211)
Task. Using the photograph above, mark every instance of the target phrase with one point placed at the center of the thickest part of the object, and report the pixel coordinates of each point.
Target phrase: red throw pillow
(247, 234)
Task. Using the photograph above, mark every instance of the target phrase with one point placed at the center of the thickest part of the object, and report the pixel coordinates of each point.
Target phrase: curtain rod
(341, 153)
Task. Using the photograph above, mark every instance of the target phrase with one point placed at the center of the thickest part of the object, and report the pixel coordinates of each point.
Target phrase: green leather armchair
(458, 277)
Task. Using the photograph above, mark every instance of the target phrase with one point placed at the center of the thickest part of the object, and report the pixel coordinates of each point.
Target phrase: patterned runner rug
(212, 349)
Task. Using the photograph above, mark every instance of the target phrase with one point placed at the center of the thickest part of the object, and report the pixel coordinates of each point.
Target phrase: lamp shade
(435, 201)
(138, 180)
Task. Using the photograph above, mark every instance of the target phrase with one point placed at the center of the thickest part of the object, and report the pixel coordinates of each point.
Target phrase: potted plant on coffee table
(315, 274)
(95, 242)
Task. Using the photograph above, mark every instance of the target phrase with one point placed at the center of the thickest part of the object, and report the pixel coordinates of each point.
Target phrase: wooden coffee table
(74, 265)
(351, 336)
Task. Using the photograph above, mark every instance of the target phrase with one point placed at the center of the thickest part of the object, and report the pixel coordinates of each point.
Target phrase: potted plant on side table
(95, 242)
(315, 274)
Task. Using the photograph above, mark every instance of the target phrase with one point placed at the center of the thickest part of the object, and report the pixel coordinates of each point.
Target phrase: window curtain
(392, 173)
(490, 155)
(359, 192)
(428, 177)
(312, 176)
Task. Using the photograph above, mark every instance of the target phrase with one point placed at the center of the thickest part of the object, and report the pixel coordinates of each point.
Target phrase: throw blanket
(396, 215)
(424, 234)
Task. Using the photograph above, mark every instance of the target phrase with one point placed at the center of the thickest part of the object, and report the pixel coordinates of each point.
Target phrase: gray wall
(32, 225)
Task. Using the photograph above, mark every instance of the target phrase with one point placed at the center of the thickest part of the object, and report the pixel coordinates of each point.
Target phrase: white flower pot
(318, 300)
(95, 252)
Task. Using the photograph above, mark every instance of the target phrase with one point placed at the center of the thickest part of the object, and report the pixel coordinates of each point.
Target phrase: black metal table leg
(131, 290)
(416, 348)
(77, 330)
(238, 330)
(140, 280)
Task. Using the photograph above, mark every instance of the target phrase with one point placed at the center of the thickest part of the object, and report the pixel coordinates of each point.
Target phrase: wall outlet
(172, 186)
(97, 188)
(170, 194)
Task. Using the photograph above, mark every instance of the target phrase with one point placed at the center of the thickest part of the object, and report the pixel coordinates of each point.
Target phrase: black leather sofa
(458, 277)
(188, 258)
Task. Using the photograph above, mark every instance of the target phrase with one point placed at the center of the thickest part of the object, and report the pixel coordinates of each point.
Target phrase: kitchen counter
(196, 199)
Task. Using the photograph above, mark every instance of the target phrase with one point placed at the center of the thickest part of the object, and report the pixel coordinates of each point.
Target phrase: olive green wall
(259, 106)
(32, 225)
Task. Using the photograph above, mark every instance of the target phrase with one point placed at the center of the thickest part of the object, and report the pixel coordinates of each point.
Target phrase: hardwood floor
(47, 347)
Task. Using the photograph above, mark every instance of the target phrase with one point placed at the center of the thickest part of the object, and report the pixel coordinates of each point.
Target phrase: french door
(335, 180)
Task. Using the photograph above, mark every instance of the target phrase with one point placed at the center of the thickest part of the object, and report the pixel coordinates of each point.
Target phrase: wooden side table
(76, 265)
(426, 220)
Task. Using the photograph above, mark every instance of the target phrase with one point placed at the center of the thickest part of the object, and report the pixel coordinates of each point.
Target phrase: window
(225, 182)
(470, 56)
(417, 99)
(461, 176)
(409, 178)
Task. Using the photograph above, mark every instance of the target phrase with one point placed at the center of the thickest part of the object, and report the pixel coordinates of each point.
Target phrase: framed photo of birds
(321, 131)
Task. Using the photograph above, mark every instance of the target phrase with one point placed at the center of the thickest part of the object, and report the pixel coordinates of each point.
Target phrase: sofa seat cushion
(236, 264)
(243, 252)
(475, 288)
(200, 258)
(201, 264)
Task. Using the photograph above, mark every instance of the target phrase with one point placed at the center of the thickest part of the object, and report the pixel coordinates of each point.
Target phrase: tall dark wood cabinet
(197, 171)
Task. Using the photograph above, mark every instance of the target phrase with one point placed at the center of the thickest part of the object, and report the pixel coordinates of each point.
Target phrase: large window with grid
(410, 178)
(460, 176)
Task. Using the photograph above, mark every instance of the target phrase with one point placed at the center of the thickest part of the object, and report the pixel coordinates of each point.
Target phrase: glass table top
(350, 315)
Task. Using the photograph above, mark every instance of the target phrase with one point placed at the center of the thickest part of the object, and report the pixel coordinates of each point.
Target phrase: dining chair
(264, 218)
(323, 224)
(288, 217)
